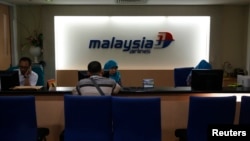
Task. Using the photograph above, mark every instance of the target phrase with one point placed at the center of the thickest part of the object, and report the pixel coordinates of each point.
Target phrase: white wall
(188, 37)
(223, 45)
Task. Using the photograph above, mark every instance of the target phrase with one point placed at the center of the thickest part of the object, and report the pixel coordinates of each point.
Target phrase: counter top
(42, 91)
(183, 90)
(131, 90)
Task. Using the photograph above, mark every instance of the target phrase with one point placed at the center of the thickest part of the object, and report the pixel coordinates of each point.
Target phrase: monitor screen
(207, 79)
(84, 74)
(105, 74)
(9, 79)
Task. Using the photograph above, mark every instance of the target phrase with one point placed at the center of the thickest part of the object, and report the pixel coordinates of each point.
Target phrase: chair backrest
(245, 110)
(87, 118)
(204, 111)
(136, 119)
(18, 118)
(39, 70)
(181, 75)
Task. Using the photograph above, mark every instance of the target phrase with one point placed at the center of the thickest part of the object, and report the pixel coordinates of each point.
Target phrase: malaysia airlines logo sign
(164, 39)
(142, 45)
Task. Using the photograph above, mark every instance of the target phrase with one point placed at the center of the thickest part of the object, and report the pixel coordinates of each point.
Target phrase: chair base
(42, 133)
(61, 137)
(181, 134)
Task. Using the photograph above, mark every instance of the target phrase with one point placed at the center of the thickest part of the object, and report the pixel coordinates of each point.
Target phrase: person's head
(203, 64)
(24, 64)
(95, 68)
(111, 66)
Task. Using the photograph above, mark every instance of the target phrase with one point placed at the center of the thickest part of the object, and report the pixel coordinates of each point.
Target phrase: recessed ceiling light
(48, 0)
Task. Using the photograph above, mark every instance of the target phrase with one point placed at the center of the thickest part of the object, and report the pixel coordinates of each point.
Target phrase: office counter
(127, 91)
(174, 105)
(44, 91)
(179, 90)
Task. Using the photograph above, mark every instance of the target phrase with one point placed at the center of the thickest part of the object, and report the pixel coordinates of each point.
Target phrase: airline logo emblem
(164, 39)
(142, 45)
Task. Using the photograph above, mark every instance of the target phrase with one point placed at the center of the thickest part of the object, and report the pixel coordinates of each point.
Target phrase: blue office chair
(136, 119)
(181, 75)
(18, 118)
(204, 111)
(87, 118)
(40, 72)
(245, 110)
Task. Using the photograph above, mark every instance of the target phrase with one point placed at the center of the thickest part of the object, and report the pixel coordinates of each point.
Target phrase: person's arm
(33, 78)
(27, 77)
(119, 80)
(189, 79)
(116, 89)
(27, 81)
(74, 91)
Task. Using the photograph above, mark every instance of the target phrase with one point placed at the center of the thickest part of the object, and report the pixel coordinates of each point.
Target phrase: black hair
(94, 67)
(25, 59)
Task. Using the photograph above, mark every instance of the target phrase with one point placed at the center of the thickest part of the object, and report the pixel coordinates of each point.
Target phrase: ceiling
(128, 2)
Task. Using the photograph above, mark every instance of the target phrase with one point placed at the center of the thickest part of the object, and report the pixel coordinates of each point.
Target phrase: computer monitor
(207, 79)
(105, 74)
(9, 79)
(84, 74)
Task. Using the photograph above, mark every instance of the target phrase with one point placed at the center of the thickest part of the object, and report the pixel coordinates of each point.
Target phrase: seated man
(27, 77)
(96, 84)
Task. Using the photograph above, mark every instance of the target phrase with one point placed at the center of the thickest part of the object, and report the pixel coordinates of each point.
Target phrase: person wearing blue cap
(112, 67)
(203, 64)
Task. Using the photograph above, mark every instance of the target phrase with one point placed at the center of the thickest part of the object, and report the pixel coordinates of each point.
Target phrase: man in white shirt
(27, 77)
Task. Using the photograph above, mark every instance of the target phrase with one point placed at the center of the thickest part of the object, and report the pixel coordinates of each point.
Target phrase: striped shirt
(107, 85)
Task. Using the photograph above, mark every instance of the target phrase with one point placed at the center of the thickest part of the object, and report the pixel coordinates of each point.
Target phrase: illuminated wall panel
(135, 42)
